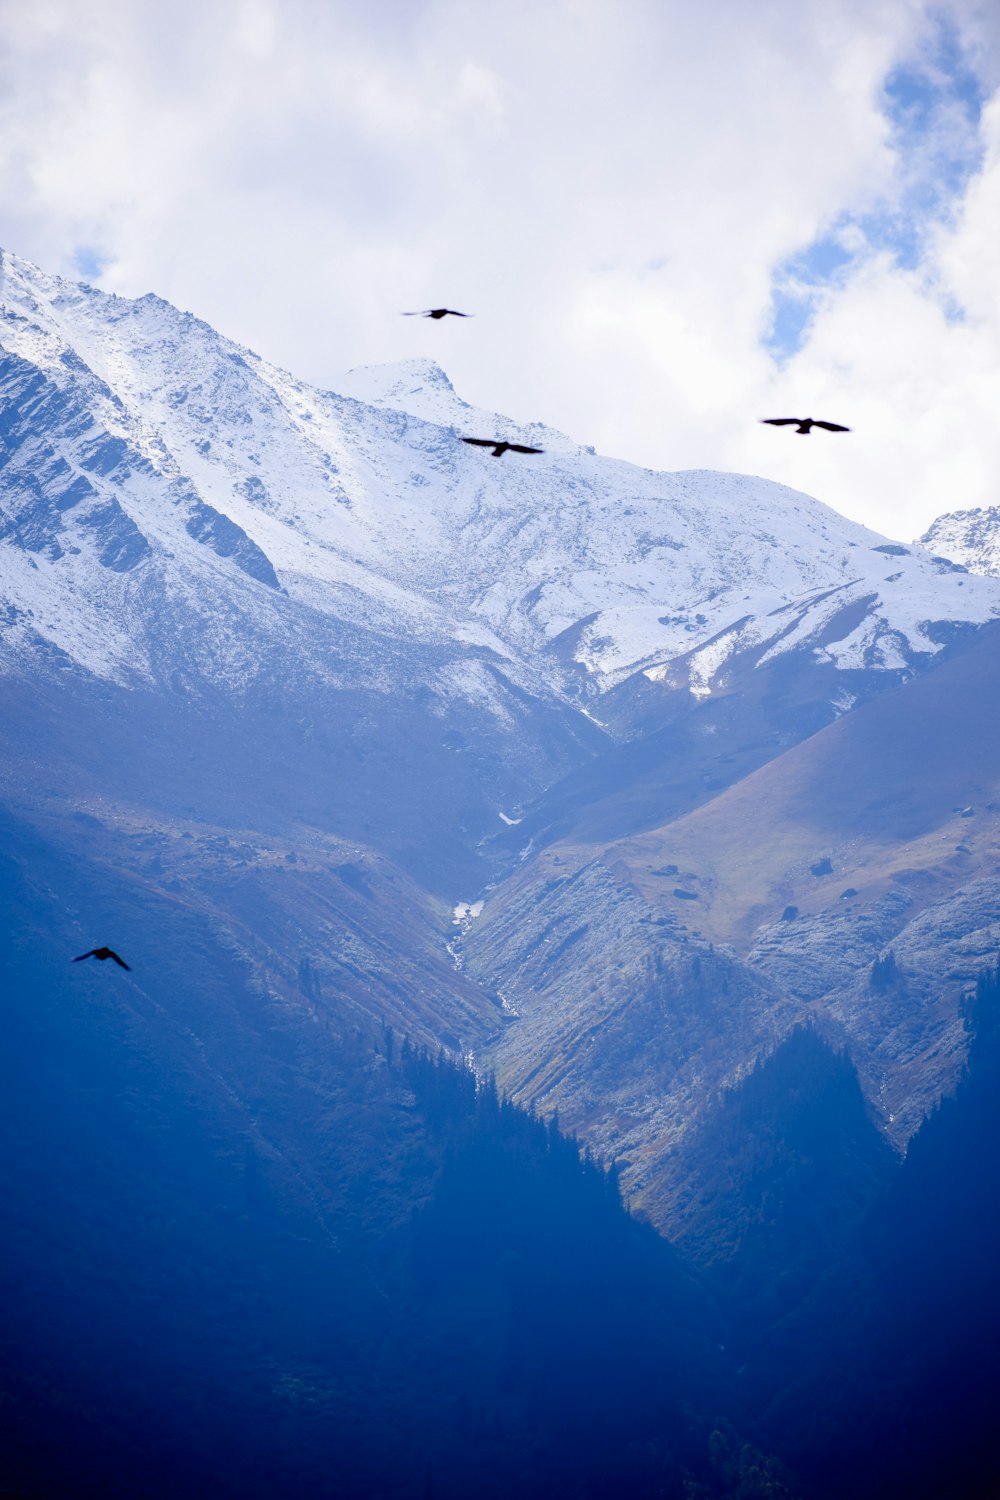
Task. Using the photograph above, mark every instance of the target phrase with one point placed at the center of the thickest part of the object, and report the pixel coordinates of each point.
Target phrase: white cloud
(920, 386)
(609, 187)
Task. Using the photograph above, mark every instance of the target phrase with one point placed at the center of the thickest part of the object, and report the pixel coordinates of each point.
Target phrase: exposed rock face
(816, 952)
(905, 1013)
(879, 939)
(620, 1018)
(227, 539)
(629, 1024)
(969, 538)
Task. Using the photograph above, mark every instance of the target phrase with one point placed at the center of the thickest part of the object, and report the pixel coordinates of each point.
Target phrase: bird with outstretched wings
(500, 446)
(102, 954)
(438, 312)
(803, 424)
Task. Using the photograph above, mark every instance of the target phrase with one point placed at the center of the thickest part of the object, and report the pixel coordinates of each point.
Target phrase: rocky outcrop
(619, 1018)
(970, 539)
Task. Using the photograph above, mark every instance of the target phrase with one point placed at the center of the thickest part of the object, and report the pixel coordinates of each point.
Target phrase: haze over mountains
(600, 779)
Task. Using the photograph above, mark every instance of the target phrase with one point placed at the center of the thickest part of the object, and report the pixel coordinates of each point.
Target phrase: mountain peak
(585, 570)
(968, 537)
(418, 386)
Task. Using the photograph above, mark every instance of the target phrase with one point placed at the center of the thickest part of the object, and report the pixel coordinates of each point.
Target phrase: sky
(670, 219)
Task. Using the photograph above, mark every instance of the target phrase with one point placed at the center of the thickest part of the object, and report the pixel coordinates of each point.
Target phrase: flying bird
(102, 954)
(803, 424)
(500, 446)
(438, 312)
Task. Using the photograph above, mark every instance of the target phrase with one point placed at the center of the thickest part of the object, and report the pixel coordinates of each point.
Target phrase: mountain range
(643, 717)
(604, 781)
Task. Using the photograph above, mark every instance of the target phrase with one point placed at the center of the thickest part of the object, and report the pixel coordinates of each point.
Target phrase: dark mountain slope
(884, 1380)
(933, 1248)
(253, 1246)
(782, 1170)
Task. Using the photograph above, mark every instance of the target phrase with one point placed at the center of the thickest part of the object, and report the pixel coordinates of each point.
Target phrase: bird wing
(119, 961)
(831, 426)
(781, 421)
(80, 956)
(453, 314)
(482, 442)
(523, 448)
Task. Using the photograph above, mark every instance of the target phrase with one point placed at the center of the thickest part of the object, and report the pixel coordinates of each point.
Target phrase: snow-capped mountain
(295, 674)
(968, 537)
(147, 456)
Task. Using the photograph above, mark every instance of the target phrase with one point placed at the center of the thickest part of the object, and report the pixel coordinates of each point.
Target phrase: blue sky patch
(933, 104)
(89, 262)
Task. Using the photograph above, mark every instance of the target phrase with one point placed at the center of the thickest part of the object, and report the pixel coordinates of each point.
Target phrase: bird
(500, 446)
(438, 312)
(803, 424)
(102, 954)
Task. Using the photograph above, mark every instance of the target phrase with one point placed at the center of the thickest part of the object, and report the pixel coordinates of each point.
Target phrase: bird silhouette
(102, 954)
(803, 424)
(500, 446)
(438, 312)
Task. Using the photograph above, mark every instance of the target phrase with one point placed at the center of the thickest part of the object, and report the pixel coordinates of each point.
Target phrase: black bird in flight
(102, 954)
(500, 446)
(438, 312)
(803, 424)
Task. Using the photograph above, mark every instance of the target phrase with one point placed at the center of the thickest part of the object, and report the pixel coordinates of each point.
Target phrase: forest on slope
(388, 1280)
(288, 1253)
(860, 1291)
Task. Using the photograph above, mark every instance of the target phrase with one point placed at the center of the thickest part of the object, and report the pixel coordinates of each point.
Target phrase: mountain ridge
(333, 497)
(968, 537)
(235, 602)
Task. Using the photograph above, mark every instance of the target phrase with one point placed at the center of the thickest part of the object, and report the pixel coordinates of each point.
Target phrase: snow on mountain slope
(141, 444)
(968, 537)
(691, 569)
(320, 618)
